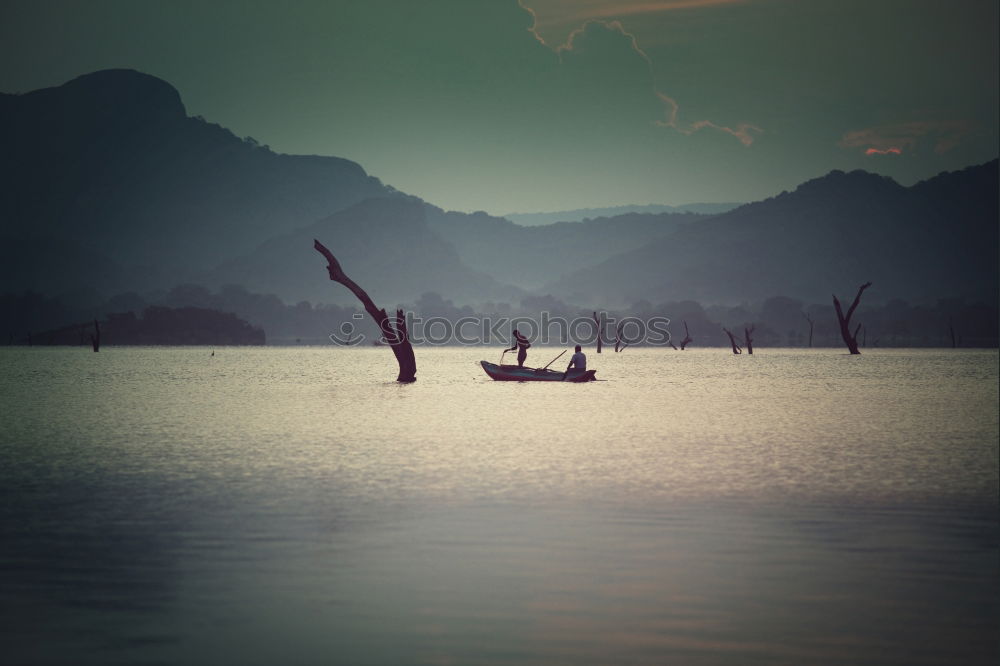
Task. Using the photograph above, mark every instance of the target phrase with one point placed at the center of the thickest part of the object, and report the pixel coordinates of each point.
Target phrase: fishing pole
(555, 359)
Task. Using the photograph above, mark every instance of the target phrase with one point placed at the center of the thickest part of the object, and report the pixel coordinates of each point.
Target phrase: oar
(555, 359)
(501, 355)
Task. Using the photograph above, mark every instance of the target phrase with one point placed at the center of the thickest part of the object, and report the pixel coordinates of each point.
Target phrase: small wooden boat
(513, 373)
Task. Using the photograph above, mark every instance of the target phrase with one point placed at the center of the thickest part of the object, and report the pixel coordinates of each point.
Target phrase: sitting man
(578, 361)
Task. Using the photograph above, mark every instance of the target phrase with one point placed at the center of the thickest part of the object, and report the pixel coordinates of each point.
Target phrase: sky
(540, 105)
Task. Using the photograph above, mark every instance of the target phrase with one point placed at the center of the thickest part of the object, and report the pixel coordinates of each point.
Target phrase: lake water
(296, 505)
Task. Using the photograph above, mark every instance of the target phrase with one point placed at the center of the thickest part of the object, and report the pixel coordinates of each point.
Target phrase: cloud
(610, 26)
(533, 28)
(898, 138)
(577, 11)
(744, 132)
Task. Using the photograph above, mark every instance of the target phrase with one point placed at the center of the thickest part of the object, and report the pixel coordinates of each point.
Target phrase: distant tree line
(779, 321)
(776, 322)
(27, 315)
(157, 325)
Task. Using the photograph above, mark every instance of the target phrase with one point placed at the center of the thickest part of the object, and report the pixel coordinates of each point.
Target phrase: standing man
(578, 361)
(521, 344)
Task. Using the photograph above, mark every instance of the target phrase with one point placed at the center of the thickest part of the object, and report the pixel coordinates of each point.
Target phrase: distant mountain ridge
(110, 186)
(581, 214)
(936, 239)
(110, 164)
(107, 185)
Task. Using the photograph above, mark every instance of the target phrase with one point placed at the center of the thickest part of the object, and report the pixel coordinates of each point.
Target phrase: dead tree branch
(732, 340)
(95, 337)
(845, 320)
(393, 331)
(687, 337)
(620, 343)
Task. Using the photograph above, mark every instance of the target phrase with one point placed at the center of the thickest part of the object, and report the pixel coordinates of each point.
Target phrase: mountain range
(581, 214)
(933, 240)
(108, 172)
(109, 186)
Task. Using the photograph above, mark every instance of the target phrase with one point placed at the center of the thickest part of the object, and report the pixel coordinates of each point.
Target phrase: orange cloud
(895, 139)
(608, 8)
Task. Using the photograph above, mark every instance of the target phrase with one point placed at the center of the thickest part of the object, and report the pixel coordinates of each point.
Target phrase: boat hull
(513, 373)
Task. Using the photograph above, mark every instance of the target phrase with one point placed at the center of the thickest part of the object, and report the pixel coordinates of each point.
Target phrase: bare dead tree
(951, 331)
(672, 345)
(732, 340)
(748, 339)
(809, 319)
(687, 337)
(851, 340)
(600, 328)
(393, 330)
(95, 337)
(620, 342)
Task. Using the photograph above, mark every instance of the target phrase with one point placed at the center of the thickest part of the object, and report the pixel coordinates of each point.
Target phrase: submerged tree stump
(748, 340)
(732, 340)
(600, 327)
(95, 337)
(687, 337)
(850, 339)
(393, 330)
(620, 342)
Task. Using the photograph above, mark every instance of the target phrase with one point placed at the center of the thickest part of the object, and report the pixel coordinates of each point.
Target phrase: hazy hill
(937, 239)
(408, 247)
(111, 167)
(54, 265)
(581, 214)
(385, 245)
(531, 256)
